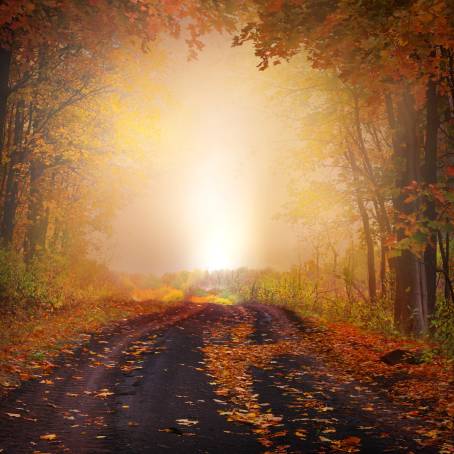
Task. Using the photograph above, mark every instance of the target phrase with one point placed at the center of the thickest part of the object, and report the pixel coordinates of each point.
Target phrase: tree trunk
(444, 252)
(410, 306)
(430, 177)
(38, 216)
(8, 141)
(13, 179)
(447, 257)
(383, 277)
(5, 64)
(372, 281)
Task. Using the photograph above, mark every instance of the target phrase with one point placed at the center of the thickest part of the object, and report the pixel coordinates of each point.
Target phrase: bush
(164, 293)
(25, 287)
(52, 281)
(443, 324)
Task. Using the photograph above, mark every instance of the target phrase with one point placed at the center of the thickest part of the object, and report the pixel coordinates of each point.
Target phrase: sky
(218, 178)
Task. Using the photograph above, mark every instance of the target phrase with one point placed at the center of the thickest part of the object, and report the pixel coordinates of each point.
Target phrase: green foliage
(312, 299)
(12, 283)
(22, 286)
(173, 296)
(196, 291)
(443, 323)
(229, 296)
(377, 317)
(51, 281)
(297, 291)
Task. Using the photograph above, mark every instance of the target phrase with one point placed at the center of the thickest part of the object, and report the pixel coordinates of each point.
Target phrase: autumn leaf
(103, 394)
(187, 422)
(48, 437)
(325, 439)
(173, 430)
(351, 441)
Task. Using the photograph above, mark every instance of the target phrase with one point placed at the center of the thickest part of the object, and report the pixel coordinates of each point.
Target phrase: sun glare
(213, 212)
(220, 249)
(215, 185)
(218, 259)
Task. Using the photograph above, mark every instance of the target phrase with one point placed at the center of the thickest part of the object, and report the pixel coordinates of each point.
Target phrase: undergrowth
(52, 281)
(329, 304)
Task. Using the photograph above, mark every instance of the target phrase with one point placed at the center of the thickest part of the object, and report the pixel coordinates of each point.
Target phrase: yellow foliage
(208, 299)
(165, 294)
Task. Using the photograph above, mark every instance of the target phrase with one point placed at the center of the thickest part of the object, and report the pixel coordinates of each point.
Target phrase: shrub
(52, 281)
(443, 324)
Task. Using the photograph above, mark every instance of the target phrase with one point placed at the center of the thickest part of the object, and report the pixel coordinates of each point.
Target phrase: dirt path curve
(201, 379)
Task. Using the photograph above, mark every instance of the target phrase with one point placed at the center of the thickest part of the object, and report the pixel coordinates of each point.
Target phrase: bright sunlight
(217, 172)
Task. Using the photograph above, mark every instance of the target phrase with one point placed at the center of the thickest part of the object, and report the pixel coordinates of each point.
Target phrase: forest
(387, 109)
(367, 89)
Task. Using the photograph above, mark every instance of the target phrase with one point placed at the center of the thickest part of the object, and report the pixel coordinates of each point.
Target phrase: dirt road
(202, 379)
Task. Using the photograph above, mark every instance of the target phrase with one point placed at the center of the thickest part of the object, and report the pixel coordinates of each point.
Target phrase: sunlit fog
(216, 181)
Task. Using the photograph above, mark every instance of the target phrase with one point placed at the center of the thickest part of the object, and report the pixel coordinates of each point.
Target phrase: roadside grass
(216, 296)
(30, 340)
(210, 298)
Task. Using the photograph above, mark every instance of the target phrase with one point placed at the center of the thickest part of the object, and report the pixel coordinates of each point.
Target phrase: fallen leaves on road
(349, 354)
(426, 389)
(233, 352)
(229, 363)
(28, 343)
